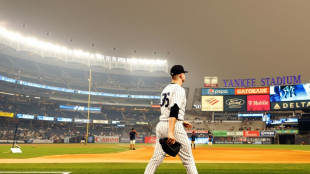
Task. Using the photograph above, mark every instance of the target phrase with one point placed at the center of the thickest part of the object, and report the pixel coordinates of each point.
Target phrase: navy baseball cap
(177, 69)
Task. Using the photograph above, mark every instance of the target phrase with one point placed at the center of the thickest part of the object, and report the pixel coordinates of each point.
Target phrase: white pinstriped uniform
(172, 94)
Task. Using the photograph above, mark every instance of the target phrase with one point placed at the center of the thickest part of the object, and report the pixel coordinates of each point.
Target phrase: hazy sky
(224, 38)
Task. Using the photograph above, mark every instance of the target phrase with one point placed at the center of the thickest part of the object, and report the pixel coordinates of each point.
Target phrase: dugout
(286, 138)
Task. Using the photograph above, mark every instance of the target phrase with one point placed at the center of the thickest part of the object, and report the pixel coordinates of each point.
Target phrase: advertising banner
(77, 120)
(2, 78)
(106, 139)
(252, 91)
(290, 93)
(235, 103)
(150, 140)
(115, 122)
(127, 140)
(60, 119)
(223, 140)
(6, 114)
(290, 105)
(142, 123)
(267, 133)
(101, 121)
(59, 141)
(251, 115)
(79, 108)
(217, 91)
(219, 133)
(25, 116)
(155, 106)
(258, 103)
(45, 118)
(212, 103)
(235, 134)
(43, 141)
(287, 131)
(91, 139)
(251, 133)
(200, 140)
(291, 120)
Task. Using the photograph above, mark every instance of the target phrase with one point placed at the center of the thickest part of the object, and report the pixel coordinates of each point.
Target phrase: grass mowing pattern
(138, 168)
(38, 150)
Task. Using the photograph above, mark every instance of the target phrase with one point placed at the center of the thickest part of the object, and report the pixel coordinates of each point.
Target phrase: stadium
(65, 110)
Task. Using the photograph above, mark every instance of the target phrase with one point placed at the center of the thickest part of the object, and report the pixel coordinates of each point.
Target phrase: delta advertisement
(217, 91)
(258, 103)
(290, 93)
(106, 139)
(6, 114)
(235, 103)
(212, 103)
(290, 105)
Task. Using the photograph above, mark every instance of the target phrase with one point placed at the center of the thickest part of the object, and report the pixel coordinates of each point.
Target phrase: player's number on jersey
(165, 99)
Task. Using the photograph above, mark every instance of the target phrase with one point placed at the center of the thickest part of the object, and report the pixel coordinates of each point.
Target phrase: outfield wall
(219, 137)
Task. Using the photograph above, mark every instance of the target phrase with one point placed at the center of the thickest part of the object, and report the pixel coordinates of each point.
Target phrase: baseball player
(210, 140)
(172, 124)
(132, 135)
(193, 138)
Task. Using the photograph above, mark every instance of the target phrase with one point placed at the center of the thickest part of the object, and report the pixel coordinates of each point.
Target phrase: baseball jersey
(194, 137)
(210, 138)
(172, 94)
(132, 135)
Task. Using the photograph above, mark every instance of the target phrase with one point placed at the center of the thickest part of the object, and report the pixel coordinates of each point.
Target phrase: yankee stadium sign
(273, 81)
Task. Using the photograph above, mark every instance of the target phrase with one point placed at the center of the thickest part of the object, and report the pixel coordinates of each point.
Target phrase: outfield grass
(171, 168)
(38, 150)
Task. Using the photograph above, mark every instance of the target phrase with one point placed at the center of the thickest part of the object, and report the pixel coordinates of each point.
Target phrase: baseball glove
(172, 149)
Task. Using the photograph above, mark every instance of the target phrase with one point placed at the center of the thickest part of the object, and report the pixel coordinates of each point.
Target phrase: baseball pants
(185, 151)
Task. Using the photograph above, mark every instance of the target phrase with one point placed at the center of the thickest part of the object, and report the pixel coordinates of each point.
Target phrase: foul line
(33, 172)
